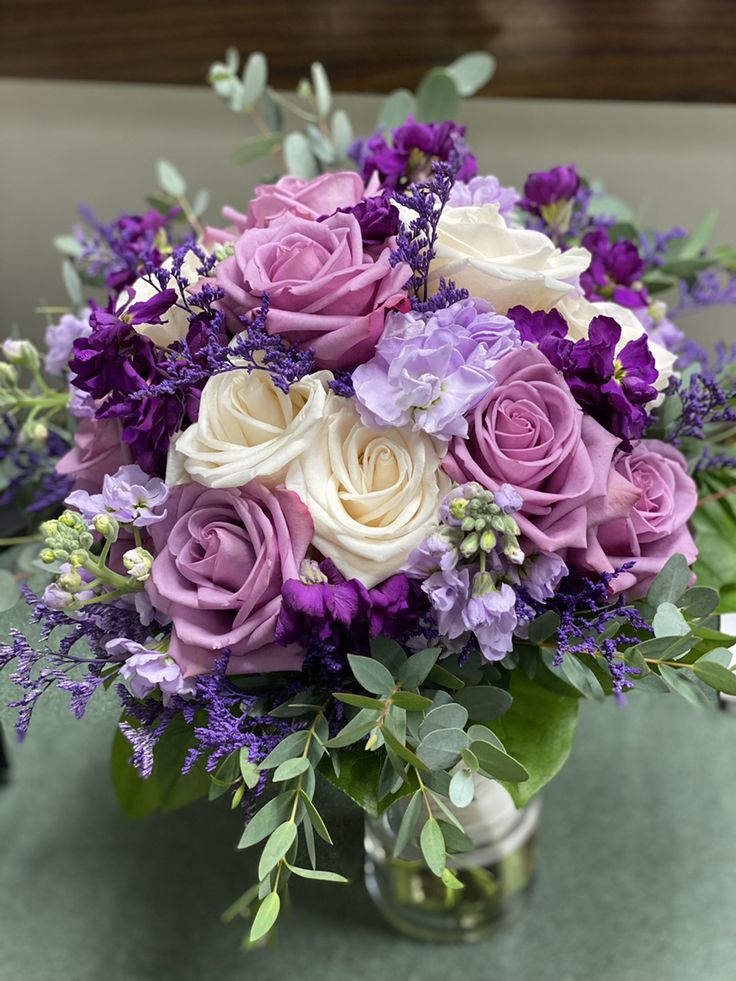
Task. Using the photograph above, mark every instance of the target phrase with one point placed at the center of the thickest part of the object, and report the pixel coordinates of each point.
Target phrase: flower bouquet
(371, 486)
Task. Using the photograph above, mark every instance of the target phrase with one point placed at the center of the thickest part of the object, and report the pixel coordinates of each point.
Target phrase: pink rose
(293, 196)
(656, 528)
(98, 450)
(531, 433)
(222, 556)
(325, 291)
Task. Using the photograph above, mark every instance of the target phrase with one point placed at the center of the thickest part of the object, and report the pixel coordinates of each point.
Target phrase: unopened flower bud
(60, 555)
(487, 541)
(21, 353)
(69, 519)
(47, 556)
(49, 528)
(78, 557)
(469, 545)
(457, 508)
(107, 526)
(8, 374)
(513, 553)
(70, 582)
(138, 562)
(482, 584)
(57, 598)
(468, 524)
(34, 432)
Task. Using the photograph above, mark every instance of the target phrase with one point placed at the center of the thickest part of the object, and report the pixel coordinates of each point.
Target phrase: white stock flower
(175, 322)
(373, 496)
(578, 312)
(506, 266)
(248, 429)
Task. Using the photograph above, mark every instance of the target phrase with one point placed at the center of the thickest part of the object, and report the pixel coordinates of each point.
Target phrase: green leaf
(170, 180)
(398, 106)
(390, 654)
(290, 769)
(537, 731)
(68, 245)
(416, 669)
(670, 583)
(472, 71)
(268, 913)
(441, 748)
(485, 735)
(167, 789)
(9, 596)
(700, 601)
(316, 819)
(371, 674)
(462, 788)
(358, 701)
(716, 676)
(578, 675)
(257, 146)
(401, 750)
(432, 844)
(358, 727)
(200, 203)
(278, 844)
(342, 132)
(269, 817)
(255, 76)
(497, 764)
(437, 97)
(543, 627)
(678, 681)
(719, 655)
(484, 702)
(250, 772)
(450, 880)
(441, 676)
(696, 242)
(289, 747)
(72, 282)
(298, 156)
(411, 702)
(450, 716)
(358, 779)
(455, 841)
(669, 622)
(318, 875)
(322, 89)
(408, 823)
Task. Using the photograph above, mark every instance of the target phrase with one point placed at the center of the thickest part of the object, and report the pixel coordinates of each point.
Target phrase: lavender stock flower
(60, 340)
(130, 495)
(483, 190)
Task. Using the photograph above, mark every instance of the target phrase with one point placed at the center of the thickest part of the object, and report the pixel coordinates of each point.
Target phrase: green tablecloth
(637, 878)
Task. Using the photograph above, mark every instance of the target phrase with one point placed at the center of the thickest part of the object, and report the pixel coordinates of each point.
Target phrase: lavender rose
(325, 291)
(529, 432)
(222, 558)
(656, 528)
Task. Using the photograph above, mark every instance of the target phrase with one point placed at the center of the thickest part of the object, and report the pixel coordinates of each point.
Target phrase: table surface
(637, 877)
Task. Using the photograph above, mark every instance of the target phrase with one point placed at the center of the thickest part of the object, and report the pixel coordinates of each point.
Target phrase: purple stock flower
(448, 592)
(124, 248)
(483, 190)
(130, 496)
(414, 147)
(614, 387)
(60, 340)
(377, 216)
(542, 574)
(490, 613)
(145, 670)
(429, 371)
(547, 187)
(615, 270)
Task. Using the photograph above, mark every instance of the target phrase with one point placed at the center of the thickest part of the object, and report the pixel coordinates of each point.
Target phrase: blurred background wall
(674, 50)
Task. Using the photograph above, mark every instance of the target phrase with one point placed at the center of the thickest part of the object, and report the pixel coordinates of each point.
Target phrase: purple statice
(120, 251)
(614, 272)
(130, 496)
(429, 371)
(378, 218)
(60, 340)
(411, 152)
(705, 419)
(549, 187)
(76, 663)
(31, 467)
(342, 384)
(612, 386)
(655, 247)
(146, 670)
(585, 610)
(479, 191)
(710, 288)
(416, 242)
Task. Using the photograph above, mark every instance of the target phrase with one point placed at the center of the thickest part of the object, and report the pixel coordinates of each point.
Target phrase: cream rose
(175, 322)
(373, 496)
(578, 312)
(248, 429)
(506, 266)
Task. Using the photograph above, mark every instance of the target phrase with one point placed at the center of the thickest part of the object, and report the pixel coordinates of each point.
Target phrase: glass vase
(497, 874)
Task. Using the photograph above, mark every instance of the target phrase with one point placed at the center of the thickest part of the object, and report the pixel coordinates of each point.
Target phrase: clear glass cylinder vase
(497, 874)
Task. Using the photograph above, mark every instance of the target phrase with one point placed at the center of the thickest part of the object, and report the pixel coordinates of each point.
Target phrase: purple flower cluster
(484, 190)
(615, 270)
(430, 370)
(613, 386)
(130, 496)
(411, 152)
(378, 218)
(547, 187)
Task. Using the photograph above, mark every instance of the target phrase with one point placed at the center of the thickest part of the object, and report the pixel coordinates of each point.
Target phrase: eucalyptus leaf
(322, 89)
(700, 601)
(342, 132)
(358, 727)
(268, 913)
(9, 592)
(417, 668)
(289, 747)
(394, 112)
(359, 701)
(320, 876)
(462, 788)
(290, 769)
(441, 748)
(697, 242)
(410, 701)
(200, 203)
(371, 674)
(543, 627)
(485, 735)
(72, 282)
(170, 180)
(471, 71)
(437, 97)
(719, 655)
(298, 156)
(316, 819)
(716, 676)
(267, 819)
(403, 751)
(432, 844)
(68, 245)
(670, 583)
(408, 823)
(278, 844)
(497, 764)
(484, 702)
(391, 655)
(679, 682)
(451, 716)
(441, 676)
(669, 622)
(255, 76)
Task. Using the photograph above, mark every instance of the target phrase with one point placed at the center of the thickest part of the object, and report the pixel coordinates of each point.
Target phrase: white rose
(506, 266)
(373, 496)
(578, 312)
(175, 322)
(248, 429)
